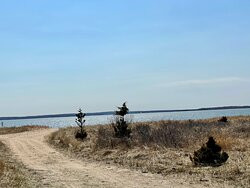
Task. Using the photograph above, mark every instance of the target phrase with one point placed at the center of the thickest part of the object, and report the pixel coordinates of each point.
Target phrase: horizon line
(131, 112)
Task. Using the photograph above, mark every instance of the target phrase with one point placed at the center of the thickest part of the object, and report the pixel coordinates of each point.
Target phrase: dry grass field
(165, 148)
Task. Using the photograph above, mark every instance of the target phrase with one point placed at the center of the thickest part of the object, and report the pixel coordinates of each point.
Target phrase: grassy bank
(12, 172)
(12, 130)
(164, 147)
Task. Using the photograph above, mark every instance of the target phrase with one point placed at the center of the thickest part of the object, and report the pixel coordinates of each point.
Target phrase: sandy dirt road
(57, 170)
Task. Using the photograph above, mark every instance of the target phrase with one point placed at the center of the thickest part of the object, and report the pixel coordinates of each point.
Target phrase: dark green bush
(223, 119)
(209, 155)
(120, 125)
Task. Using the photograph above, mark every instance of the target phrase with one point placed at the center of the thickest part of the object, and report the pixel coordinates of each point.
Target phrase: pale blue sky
(58, 55)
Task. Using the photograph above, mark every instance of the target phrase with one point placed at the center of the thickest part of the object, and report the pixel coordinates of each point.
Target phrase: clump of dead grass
(106, 138)
(12, 130)
(162, 134)
(226, 142)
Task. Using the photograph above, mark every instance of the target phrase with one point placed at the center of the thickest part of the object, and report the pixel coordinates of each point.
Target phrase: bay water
(105, 119)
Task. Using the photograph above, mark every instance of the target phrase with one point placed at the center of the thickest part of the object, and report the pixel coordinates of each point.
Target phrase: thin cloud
(204, 82)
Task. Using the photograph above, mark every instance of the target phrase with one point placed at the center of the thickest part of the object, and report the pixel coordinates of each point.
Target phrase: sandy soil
(57, 170)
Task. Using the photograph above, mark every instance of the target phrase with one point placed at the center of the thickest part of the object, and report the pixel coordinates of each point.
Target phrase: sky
(57, 56)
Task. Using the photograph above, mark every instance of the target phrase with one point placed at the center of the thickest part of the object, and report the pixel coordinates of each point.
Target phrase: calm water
(93, 120)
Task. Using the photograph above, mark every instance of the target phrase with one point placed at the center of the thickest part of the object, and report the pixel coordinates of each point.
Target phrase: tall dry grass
(167, 134)
(162, 134)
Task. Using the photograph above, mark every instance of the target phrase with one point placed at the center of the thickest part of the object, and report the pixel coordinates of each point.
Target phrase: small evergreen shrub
(223, 119)
(209, 155)
(80, 134)
(120, 126)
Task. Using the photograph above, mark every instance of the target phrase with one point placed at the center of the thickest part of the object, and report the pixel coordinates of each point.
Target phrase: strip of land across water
(131, 112)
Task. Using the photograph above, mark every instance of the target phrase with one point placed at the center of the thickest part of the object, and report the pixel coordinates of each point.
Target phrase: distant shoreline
(131, 112)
